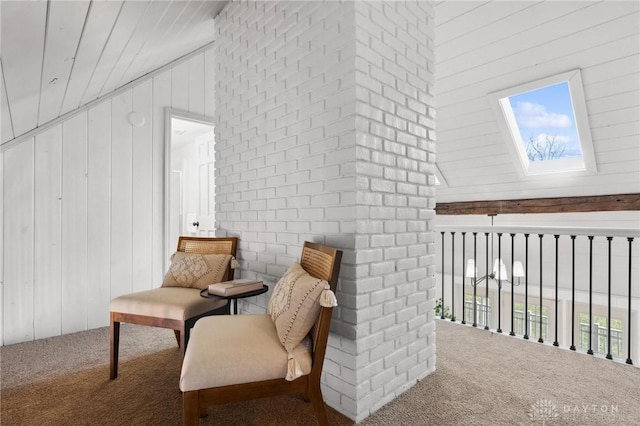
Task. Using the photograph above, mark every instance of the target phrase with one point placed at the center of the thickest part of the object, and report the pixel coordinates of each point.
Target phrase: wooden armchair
(241, 357)
(177, 308)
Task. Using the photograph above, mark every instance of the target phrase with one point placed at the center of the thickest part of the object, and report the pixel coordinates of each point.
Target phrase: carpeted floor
(482, 378)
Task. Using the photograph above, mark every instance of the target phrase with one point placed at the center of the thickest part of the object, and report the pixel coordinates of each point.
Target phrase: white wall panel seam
(115, 21)
(124, 48)
(6, 94)
(44, 50)
(75, 55)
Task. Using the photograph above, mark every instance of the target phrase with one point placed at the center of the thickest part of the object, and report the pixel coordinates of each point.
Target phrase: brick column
(325, 132)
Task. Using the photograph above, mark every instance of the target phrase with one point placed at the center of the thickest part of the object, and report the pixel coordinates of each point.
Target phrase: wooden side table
(205, 293)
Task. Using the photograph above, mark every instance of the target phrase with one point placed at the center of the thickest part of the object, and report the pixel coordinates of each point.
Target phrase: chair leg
(317, 403)
(190, 410)
(183, 339)
(114, 340)
(177, 333)
(190, 413)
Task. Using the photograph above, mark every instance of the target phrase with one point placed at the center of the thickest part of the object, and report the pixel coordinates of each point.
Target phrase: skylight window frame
(440, 179)
(509, 128)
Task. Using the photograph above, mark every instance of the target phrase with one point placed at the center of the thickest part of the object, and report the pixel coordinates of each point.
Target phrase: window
(533, 321)
(599, 340)
(546, 124)
(483, 309)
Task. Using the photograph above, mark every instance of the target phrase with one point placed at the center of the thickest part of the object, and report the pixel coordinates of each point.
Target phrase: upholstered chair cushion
(294, 305)
(196, 270)
(227, 350)
(176, 303)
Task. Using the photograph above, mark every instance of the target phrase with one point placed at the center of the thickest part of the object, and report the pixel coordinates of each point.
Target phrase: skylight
(546, 122)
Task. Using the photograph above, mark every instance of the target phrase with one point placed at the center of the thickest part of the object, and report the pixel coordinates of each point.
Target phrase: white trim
(169, 114)
(501, 107)
(8, 144)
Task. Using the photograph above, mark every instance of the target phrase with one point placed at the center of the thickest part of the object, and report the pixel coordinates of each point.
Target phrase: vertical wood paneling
(166, 33)
(22, 61)
(47, 283)
(66, 19)
(180, 86)
(196, 84)
(154, 44)
(142, 189)
(122, 30)
(107, 181)
(60, 55)
(161, 100)
(507, 49)
(99, 213)
(99, 25)
(134, 48)
(18, 189)
(6, 127)
(74, 224)
(121, 195)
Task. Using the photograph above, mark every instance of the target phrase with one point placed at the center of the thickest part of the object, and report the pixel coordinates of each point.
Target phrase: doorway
(189, 177)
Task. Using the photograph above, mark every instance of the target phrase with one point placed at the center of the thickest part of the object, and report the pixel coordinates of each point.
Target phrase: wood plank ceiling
(487, 46)
(57, 56)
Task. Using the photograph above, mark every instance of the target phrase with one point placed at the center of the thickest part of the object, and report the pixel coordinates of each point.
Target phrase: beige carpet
(482, 379)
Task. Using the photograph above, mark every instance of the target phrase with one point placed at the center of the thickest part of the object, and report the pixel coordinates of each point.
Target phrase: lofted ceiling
(57, 56)
(488, 46)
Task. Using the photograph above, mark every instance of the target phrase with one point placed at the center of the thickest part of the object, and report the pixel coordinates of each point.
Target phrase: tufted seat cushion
(166, 302)
(227, 350)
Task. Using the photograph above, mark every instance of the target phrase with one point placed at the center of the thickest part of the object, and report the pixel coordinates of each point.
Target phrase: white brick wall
(324, 124)
(395, 155)
(284, 112)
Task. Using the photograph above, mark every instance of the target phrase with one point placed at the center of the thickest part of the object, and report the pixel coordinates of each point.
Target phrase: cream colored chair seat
(243, 357)
(166, 302)
(174, 305)
(235, 349)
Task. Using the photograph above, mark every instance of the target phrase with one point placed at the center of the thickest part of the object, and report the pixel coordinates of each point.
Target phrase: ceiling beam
(596, 203)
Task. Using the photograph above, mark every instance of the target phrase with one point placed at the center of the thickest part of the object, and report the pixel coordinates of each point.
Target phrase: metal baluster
(464, 275)
(499, 330)
(442, 294)
(512, 333)
(453, 263)
(540, 339)
(526, 287)
(475, 278)
(609, 300)
(590, 351)
(573, 292)
(555, 342)
(630, 239)
(486, 282)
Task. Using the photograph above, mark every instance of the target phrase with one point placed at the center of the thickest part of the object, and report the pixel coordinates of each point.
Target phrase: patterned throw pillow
(196, 270)
(294, 305)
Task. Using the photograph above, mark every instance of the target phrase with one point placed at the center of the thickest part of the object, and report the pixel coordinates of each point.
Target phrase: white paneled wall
(83, 202)
(324, 130)
(491, 46)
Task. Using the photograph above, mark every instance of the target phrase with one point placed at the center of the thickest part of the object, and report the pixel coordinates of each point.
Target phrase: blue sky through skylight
(547, 123)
